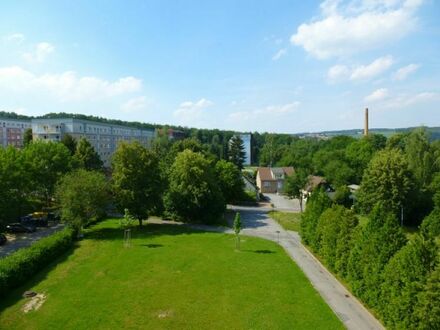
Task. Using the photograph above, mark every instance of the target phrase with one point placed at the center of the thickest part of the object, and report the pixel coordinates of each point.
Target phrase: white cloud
(360, 72)
(267, 113)
(279, 54)
(338, 72)
(408, 100)
(378, 95)
(405, 71)
(40, 53)
(134, 104)
(192, 110)
(348, 27)
(66, 86)
(15, 37)
(373, 69)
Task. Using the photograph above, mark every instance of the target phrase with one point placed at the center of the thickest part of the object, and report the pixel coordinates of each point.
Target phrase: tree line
(180, 180)
(366, 246)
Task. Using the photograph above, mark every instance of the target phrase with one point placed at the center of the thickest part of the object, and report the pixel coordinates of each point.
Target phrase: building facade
(271, 179)
(12, 132)
(102, 136)
(247, 143)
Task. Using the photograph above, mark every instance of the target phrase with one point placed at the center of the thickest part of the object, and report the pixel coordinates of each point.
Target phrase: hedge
(20, 266)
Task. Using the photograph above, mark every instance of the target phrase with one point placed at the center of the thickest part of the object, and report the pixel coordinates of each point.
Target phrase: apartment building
(103, 137)
(12, 132)
(247, 143)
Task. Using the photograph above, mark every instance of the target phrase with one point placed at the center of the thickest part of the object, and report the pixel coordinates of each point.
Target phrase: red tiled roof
(266, 173)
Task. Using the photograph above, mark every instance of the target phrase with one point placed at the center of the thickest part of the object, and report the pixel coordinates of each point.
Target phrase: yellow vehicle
(39, 215)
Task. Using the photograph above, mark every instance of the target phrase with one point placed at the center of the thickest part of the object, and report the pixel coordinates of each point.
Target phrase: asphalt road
(350, 311)
(282, 203)
(18, 241)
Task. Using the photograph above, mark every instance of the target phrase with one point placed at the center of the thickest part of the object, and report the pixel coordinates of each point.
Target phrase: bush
(17, 268)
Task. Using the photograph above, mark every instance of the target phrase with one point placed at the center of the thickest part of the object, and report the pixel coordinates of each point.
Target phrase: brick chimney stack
(366, 122)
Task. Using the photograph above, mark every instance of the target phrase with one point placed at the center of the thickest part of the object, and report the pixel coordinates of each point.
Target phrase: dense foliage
(193, 193)
(17, 268)
(82, 196)
(136, 180)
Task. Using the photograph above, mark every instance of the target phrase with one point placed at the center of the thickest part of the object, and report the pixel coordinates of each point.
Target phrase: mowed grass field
(170, 278)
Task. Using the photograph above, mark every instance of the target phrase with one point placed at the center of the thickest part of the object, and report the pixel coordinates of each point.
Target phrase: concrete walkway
(350, 311)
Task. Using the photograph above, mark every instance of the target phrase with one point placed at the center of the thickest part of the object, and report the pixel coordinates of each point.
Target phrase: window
(266, 184)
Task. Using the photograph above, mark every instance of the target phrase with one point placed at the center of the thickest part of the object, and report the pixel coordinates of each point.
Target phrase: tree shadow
(152, 246)
(261, 251)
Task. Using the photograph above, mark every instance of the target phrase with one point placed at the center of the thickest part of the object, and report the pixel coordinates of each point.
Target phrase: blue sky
(276, 66)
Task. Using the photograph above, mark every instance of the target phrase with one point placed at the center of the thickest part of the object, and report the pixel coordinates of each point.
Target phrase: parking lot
(18, 241)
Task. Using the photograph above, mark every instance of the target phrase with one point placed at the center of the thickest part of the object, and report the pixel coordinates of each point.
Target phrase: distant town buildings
(103, 137)
(12, 132)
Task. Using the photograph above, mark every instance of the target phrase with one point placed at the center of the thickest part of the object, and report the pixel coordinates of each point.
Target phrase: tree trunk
(140, 222)
(301, 202)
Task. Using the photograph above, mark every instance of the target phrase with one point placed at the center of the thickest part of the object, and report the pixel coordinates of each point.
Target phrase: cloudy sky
(268, 65)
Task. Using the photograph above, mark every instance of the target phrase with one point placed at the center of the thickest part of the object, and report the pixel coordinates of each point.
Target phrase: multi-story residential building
(103, 137)
(247, 138)
(12, 132)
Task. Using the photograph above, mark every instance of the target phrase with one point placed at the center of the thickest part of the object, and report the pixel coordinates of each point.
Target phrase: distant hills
(434, 131)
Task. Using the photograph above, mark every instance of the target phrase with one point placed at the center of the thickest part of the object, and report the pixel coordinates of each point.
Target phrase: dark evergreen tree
(86, 157)
(236, 151)
(69, 142)
(27, 137)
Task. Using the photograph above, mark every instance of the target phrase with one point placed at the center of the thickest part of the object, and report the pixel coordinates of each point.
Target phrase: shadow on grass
(15, 295)
(260, 251)
(152, 246)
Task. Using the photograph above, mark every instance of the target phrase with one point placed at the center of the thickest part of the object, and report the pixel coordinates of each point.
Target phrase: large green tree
(317, 203)
(236, 151)
(375, 245)
(194, 194)
(405, 276)
(69, 142)
(387, 180)
(230, 181)
(335, 230)
(45, 163)
(137, 182)
(86, 157)
(27, 137)
(14, 184)
(294, 185)
(82, 196)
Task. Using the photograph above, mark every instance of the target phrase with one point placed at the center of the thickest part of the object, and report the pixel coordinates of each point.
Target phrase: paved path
(350, 311)
(18, 241)
(282, 203)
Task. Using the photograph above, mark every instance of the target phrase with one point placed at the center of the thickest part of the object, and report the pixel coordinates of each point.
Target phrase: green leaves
(137, 182)
(194, 193)
(82, 196)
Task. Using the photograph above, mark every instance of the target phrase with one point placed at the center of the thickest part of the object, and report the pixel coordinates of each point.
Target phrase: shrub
(17, 268)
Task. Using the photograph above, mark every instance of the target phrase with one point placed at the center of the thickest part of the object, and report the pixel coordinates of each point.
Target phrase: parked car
(20, 228)
(30, 221)
(2, 239)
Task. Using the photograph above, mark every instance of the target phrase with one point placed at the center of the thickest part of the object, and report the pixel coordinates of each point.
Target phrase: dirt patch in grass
(34, 302)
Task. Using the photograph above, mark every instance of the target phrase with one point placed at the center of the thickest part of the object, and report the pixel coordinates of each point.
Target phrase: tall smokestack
(366, 122)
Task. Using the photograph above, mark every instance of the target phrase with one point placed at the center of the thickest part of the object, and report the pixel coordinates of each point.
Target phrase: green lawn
(289, 221)
(171, 278)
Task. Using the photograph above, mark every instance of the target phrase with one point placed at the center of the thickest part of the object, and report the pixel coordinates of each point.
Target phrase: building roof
(265, 174)
(314, 181)
(271, 173)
